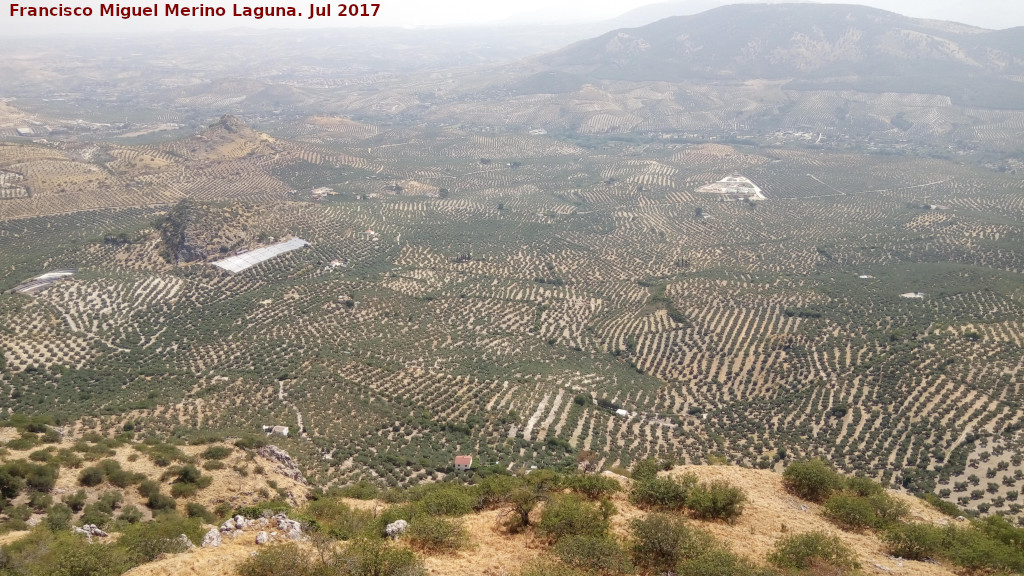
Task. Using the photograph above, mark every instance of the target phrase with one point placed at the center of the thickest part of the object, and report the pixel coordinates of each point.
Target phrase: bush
(216, 453)
(913, 541)
(183, 490)
(338, 519)
(58, 518)
(438, 534)
(197, 510)
(63, 554)
(663, 493)
(130, 514)
(812, 480)
(599, 553)
(277, 560)
(93, 514)
(40, 501)
(568, 515)
(91, 476)
(76, 501)
(362, 490)
(852, 512)
(10, 485)
(550, 568)
(660, 542)
(110, 501)
(716, 561)
(646, 469)
(495, 490)
(147, 488)
(716, 500)
(811, 549)
(214, 465)
(593, 486)
(447, 500)
(378, 558)
(144, 542)
(159, 502)
(863, 486)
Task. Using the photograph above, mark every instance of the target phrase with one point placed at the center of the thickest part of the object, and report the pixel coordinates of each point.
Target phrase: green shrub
(593, 486)
(91, 476)
(812, 480)
(189, 474)
(852, 512)
(568, 515)
(913, 541)
(159, 502)
(660, 541)
(716, 500)
(44, 553)
(980, 548)
(183, 490)
(542, 567)
(362, 490)
(216, 453)
(810, 549)
(214, 465)
(447, 500)
(646, 469)
(110, 501)
(864, 486)
(39, 501)
(277, 560)
(715, 561)
(599, 553)
(58, 518)
(947, 508)
(666, 493)
(76, 501)
(130, 514)
(338, 519)
(438, 534)
(378, 558)
(495, 490)
(145, 541)
(20, 512)
(148, 488)
(10, 485)
(197, 510)
(92, 514)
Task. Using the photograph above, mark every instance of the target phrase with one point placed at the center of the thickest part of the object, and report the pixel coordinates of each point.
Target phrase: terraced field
(505, 293)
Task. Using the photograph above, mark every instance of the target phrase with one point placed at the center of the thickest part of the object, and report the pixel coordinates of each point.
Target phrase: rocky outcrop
(212, 539)
(288, 467)
(186, 544)
(396, 528)
(90, 530)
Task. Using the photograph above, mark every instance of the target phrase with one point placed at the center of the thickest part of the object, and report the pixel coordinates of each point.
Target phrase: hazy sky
(985, 13)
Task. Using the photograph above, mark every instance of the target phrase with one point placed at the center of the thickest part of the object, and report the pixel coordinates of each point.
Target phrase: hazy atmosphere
(994, 14)
(518, 289)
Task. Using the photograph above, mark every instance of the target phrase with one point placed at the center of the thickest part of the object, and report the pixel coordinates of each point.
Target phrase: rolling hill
(816, 46)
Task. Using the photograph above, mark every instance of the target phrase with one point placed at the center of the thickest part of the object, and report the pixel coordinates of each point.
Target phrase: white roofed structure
(240, 262)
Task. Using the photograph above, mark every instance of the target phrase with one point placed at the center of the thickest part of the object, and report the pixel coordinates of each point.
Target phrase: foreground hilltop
(770, 514)
(78, 502)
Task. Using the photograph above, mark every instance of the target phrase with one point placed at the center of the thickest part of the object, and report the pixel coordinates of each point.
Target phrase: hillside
(770, 514)
(833, 47)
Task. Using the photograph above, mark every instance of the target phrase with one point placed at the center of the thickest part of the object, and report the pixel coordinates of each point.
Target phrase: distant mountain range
(832, 47)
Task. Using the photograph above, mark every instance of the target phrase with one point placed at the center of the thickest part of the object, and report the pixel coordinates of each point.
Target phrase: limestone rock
(396, 528)
(212, 539)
